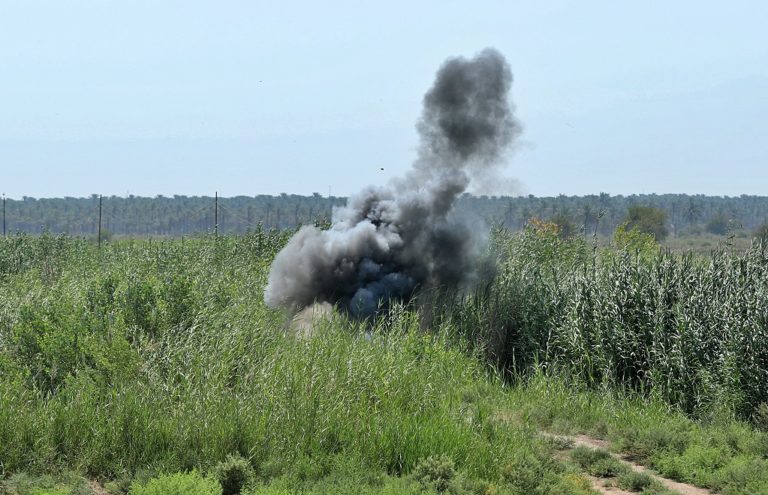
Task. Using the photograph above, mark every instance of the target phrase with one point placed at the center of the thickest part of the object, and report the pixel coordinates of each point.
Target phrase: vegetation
(601, 464)
(688, 329)
(234, 474)
(565, 226)
(191, 483)
(189, 215)
(634, 241)
(761, 233)
(635, 482)
(154, 365)
(647, 220)
(718, 225)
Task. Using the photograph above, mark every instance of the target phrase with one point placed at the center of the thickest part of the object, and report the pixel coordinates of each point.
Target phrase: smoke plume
(390, 242)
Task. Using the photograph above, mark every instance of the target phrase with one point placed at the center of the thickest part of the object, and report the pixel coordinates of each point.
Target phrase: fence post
(99, 234)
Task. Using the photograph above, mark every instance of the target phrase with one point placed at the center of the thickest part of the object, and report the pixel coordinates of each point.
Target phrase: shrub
(607, 468)
(760, 416)
(25, 484)
(573, 484)
(53, 342)
(233, 474)
(633, 240)
(566, 228)
(191, 483)
(586, 457)
(435, 472)
(742, 475)
(527, 473)
(649, 220)
(635, 482)
(641, 441)
(696, 465)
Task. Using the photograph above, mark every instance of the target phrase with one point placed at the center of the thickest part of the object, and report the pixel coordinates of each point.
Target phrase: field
(151, 367)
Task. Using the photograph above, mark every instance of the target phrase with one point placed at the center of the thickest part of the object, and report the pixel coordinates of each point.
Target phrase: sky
(248, 97)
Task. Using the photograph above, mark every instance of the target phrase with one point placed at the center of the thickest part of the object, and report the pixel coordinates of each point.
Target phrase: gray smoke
(390, 242)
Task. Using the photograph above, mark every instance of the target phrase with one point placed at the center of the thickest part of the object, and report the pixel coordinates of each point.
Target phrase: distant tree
(718, 224)
(761, 233)
(647, 219)
(590, 216)
(566, 227)
(185, 215)
(692, 211)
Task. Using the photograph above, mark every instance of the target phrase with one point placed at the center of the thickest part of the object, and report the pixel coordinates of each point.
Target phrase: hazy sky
(246, 97)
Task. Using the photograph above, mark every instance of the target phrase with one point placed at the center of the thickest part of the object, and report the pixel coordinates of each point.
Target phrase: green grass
(721, 453)
(601, 464)
(636, 482)
(162, 357)
(689, 329)
(586, 457)
(597, 462)
(192, 483)
(145, 359)
(62, 484)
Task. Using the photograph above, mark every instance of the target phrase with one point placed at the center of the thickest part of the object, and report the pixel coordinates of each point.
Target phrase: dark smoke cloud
(390, 242)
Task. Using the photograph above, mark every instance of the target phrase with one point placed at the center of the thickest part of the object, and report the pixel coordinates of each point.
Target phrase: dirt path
(96, 488)
(599, 485)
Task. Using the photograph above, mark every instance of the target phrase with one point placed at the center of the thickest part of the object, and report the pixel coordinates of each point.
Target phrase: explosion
(390, 242)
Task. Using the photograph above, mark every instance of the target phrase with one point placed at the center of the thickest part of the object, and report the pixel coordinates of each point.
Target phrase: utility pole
(99, 221)
(216, 214)
(4, 234)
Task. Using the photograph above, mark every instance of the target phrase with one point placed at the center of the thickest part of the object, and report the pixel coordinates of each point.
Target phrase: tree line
(178, 215)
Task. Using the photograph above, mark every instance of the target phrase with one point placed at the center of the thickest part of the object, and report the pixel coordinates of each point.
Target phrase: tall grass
(162, 355)
(689, 329)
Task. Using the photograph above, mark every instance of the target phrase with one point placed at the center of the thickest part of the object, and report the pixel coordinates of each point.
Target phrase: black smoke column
(390, 242)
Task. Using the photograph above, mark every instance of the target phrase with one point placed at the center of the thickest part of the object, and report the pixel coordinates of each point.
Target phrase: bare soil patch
(599, 484)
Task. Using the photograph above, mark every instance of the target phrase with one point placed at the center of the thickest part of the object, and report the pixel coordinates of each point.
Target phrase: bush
(566, 228)
(635, 482)
(435, 472)
(635, 241)
(586, 457)
(53, 342)
(233, 474)
(573, 484)
(528, 473)
(607, 468)
(191, 483)
(649, 220)
(26, 484)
